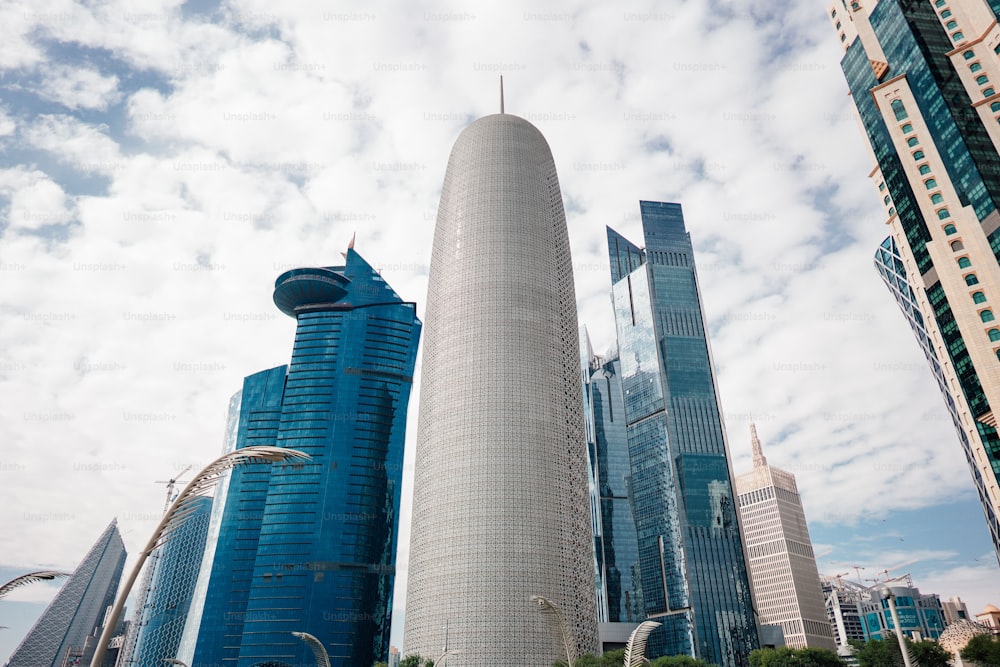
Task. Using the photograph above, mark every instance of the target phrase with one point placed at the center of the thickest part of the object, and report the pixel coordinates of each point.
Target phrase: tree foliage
(617, 658)
(794, 657)
(930, 654)
(414, 660)
(679, 661)
(885, 653)
(983, 650)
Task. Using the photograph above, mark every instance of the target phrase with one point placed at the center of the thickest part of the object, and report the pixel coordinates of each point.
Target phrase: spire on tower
(350, 245)
(758, 454)
(501, 93)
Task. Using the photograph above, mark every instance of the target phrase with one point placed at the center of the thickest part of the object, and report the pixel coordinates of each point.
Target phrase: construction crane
(857, 570)
(171, 483)
(839, 579)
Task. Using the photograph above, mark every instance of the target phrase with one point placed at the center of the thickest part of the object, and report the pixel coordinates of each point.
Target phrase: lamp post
(890, 597)
(181, 509)
(174, 661)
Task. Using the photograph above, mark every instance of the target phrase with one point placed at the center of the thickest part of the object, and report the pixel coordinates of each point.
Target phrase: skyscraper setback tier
(923, 79)
(65, 632)
(782, 565)
(693, 572)
(500, 506)
(311, 548)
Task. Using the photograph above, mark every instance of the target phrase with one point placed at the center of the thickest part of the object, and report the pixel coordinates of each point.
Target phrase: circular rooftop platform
(303, 287)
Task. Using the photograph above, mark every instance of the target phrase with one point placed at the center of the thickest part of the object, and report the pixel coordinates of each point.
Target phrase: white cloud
(78, 87)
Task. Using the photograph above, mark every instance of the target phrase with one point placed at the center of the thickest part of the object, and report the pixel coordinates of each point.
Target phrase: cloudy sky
(162, 162)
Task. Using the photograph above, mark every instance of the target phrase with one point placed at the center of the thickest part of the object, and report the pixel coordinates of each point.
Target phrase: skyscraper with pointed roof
(692, 568)
(500, 500)
(786, 584)
(66, 629)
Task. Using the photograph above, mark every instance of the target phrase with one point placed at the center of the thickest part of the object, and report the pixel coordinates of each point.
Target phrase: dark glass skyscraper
(155, 632)
(311, 548)
(691, 559)
(66, 630)
(923, 79)
(619, 588)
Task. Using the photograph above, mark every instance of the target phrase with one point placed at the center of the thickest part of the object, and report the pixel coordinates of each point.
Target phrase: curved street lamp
(174, 661)
(30, 578)
(557, 625)
(447, 652)
(319, 651)
(635, 650)
(180, 510)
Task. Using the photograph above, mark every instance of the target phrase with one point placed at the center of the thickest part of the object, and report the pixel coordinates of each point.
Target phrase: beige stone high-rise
(500, 505)
(786, 585)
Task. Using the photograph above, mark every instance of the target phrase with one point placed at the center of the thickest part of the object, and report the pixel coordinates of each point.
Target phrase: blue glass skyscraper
(618, 585)
(691, 559)
(311, 548)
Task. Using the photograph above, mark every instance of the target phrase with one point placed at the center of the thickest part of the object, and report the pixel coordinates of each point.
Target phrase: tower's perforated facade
(500, 509)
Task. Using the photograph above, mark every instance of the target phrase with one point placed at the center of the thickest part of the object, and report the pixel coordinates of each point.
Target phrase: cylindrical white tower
(500, 507)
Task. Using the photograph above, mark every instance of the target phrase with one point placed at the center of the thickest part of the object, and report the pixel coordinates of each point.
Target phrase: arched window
(899, 109)
(930, 184)
(957, 36)
(968, 55)
(892, 210)
(964, 263)
(986, 316)
(950, 229)
(885, 200)
(943, 214)
(912, 141)
(907, 128)
(978, 297)
(919, 155)
(982, 80)
(995, 106)
(998, 355)
(946, 13)
(924, 169)
(971, 279)
(956, 245)
(881, 186)
(936, 198)
(950, 25)
(939, 3)
(975, 67)
(989, 92)
(994, 334)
